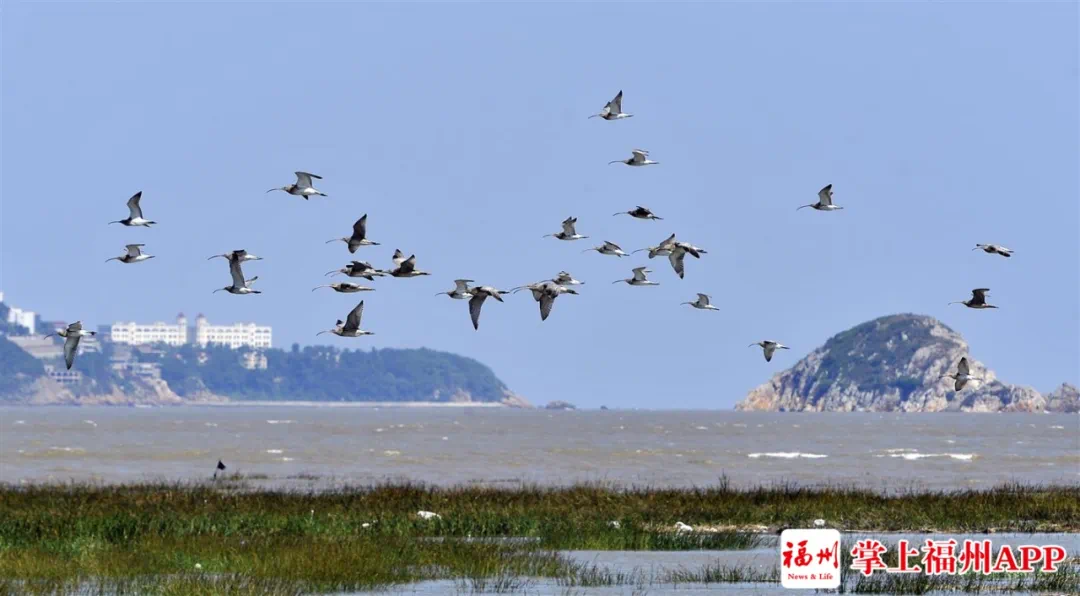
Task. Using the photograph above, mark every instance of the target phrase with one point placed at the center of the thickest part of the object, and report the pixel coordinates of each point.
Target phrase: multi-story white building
(20, 317)
(237, 335)
(158, 332)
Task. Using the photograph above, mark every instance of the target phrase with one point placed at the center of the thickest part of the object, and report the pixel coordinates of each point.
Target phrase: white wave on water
(19, 422)
(900, 450)
(1058, 427)
(274, 451)
(210, 423)
(701, 428)
(280, 421)
(917, 456)
(90, 422)
(788, 455)
(285, 458)
(68, 449)
(391, 452)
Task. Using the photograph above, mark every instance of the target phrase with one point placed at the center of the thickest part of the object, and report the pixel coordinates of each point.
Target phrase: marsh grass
(228, 538)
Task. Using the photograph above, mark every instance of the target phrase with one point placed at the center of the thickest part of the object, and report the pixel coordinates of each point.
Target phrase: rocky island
(896, 363)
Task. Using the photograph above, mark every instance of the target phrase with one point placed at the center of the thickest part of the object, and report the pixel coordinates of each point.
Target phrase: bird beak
(319, 333)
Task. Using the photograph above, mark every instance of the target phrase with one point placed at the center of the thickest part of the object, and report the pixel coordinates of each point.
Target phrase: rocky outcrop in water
(893, 363)
(1063, 399)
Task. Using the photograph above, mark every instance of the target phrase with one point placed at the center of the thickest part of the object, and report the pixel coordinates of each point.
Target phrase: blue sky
(462, 131)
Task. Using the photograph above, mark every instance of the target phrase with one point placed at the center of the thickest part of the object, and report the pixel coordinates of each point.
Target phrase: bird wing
(248, 282)
(462, 285)
(611, 246)
(398, 257)
(568, 226)
(769, 349)
(678, 259)
(667, 243)
(536, 294)
(74, 328)
(703, 299)
(474, 308)
(133, 205)
(959, 384)
(978, 295)
(359, 229)
(639, 273)
(238, 254)
(562, 277)
(547, 300)
(963, 368)
(408, 265)
(361, 265)
(640, 155)
(71, 344)
(303, 179)
(133, 250)
(615, 105)
(352, 322)
(236, 273)
(825, 195)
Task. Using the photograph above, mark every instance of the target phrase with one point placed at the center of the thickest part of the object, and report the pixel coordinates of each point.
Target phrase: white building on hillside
(237, 335)
(159, 332)
(20, 317)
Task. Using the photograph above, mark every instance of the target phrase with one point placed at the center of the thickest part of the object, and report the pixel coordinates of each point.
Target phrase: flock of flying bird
(544, 292)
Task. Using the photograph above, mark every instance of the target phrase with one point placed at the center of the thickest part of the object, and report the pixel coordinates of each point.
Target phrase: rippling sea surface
(330, 446)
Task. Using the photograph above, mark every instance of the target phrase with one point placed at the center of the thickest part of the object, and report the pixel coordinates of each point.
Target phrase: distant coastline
(349, 404)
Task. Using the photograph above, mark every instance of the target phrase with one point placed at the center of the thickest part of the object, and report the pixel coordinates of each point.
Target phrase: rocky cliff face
(893, 363)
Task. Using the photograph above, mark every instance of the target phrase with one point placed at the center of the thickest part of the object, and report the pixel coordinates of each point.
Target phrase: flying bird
(239, 284)
(220, 468)
(638, 157)
(302, 187)
(613, 110)
(962, 376)
(977, 300)
(660, 250)
(639, 278)
(639, 213)
(72, 334)
(568, 231)
(703, 302)
(565, 279)
(994, 249)
(545, 293)
(769, 347)
(479, 294)
(242, 255)
(608, 248)
(345, 287)
(405, 267)
(824, 200)
(461, 290)
(351, 326)
(358, 237)
(359, 269)
(135, 217)
(134, 255)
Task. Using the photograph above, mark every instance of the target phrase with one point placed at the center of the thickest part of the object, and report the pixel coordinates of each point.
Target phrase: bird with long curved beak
(135, 215)
(351, 326)
(613, 110)
(824, 200)
(768, 347)
(134, 255)
(345, 287)
(243, 255)
(638, 157)
(302, 187)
